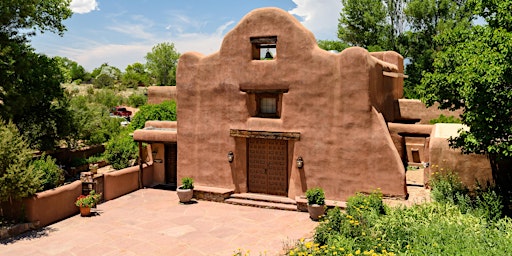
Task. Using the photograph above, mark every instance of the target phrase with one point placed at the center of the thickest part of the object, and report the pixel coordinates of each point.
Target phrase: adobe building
(272, 113)
(304, 106)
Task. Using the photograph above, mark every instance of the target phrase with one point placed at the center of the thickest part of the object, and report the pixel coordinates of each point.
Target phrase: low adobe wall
(118, 183)
(53, 205)
(469, 167)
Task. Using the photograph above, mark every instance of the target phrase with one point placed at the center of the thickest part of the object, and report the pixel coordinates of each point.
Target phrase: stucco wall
(159, 94)
(330, 100)
(118, 183)
(53, 205)
(416, 110)
(469, 167)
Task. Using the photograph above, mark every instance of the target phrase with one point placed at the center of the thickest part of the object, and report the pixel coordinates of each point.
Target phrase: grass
(465, 224)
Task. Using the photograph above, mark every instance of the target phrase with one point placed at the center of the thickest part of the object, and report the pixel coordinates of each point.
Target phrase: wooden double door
(267, 166)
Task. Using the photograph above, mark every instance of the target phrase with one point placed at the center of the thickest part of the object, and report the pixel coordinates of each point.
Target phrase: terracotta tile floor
(152, 222)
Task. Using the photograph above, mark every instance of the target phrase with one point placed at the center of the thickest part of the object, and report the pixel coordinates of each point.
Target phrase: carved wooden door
(171, 160)
(267, 166)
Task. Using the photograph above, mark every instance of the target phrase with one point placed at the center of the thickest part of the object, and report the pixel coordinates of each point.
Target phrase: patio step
(263, 201)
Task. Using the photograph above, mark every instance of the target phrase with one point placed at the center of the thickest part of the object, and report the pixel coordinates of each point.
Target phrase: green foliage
(484, 203)
(107, 98)
(51, 175)
(30, 82)
(137, 99)
(161, 63)
(103, 81)
(187, 183)
(121, 150)
(315, 196)
(165, 111)
(445, 119)
(426, 229)
(88, 200)
(330, 45)
(447, 188)
(135, 75)
(91, 121)
(17, 180)
(362, 23)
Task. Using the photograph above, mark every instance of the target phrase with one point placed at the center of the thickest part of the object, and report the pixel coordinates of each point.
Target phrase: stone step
(264, 198)
(262, 204)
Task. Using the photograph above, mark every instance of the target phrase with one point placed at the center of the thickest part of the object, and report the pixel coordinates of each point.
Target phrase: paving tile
(152, 222)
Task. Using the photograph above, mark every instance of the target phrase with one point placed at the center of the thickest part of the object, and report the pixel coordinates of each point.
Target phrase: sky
(121, 32)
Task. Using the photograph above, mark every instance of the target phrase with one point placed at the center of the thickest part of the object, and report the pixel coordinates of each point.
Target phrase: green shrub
(315, 196)
(447, 187)
(137, 99)
(165, 111)
(51, 175)
(445, 119)
(187, 183)
(103, 81)
(121, 150)
(17, 180)
(107, 98)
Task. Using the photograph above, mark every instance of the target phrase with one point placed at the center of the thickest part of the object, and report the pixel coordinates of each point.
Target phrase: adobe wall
(416, 110)
(159, 94)
(469, 167)
(118, 183)
(53, 205)
(330, 101)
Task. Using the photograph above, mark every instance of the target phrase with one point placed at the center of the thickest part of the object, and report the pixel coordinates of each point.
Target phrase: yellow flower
(309, 245)
(358, 252)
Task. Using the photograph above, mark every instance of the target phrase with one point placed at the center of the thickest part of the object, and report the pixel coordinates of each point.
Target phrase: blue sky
(121, 32)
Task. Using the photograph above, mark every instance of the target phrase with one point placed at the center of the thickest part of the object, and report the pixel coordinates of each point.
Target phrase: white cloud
(84, 6)
(319, 16)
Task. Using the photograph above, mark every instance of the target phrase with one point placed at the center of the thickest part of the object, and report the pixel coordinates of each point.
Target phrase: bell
(268, 55)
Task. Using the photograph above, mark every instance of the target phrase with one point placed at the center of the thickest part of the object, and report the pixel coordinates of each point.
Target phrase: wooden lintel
(265, 134)
(264, 40)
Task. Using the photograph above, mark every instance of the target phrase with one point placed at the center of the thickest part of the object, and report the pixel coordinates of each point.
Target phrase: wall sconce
(231, 156)
(300, 162)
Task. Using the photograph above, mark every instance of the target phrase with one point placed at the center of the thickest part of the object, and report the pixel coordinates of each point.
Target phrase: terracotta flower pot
(315, 211)
(185, 195)
(85, 211)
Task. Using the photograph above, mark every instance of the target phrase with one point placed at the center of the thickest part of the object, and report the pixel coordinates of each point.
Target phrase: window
(267, 105)
(264, 48)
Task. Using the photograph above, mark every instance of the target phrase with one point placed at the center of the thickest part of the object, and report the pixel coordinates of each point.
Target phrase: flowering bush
(88, 200)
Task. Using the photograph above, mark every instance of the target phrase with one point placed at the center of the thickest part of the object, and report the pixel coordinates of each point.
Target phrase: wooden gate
(171, 157)
(267, 170)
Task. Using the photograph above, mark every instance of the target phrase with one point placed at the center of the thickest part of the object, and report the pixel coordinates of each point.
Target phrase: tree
(135, 75)
(427, 19)
(330, 45)
(161, 63)
(362, 23)
(17, 179)
(165, 111)
(473, 72)
(30, 89)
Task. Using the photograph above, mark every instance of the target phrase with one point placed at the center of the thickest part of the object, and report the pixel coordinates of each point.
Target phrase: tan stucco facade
(332, 111)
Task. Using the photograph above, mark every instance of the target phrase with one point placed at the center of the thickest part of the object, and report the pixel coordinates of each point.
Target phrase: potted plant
(185, 191)
(86, 202)
(316, 202)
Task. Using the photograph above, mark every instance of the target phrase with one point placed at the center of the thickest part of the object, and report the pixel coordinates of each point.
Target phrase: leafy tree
(135, 75)
(427, 20)
(30, 89)
(362, 23)
(165, 111)
(161, 63)
(17, 180)
(473, 72)
(137, 99)
(330, 45)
